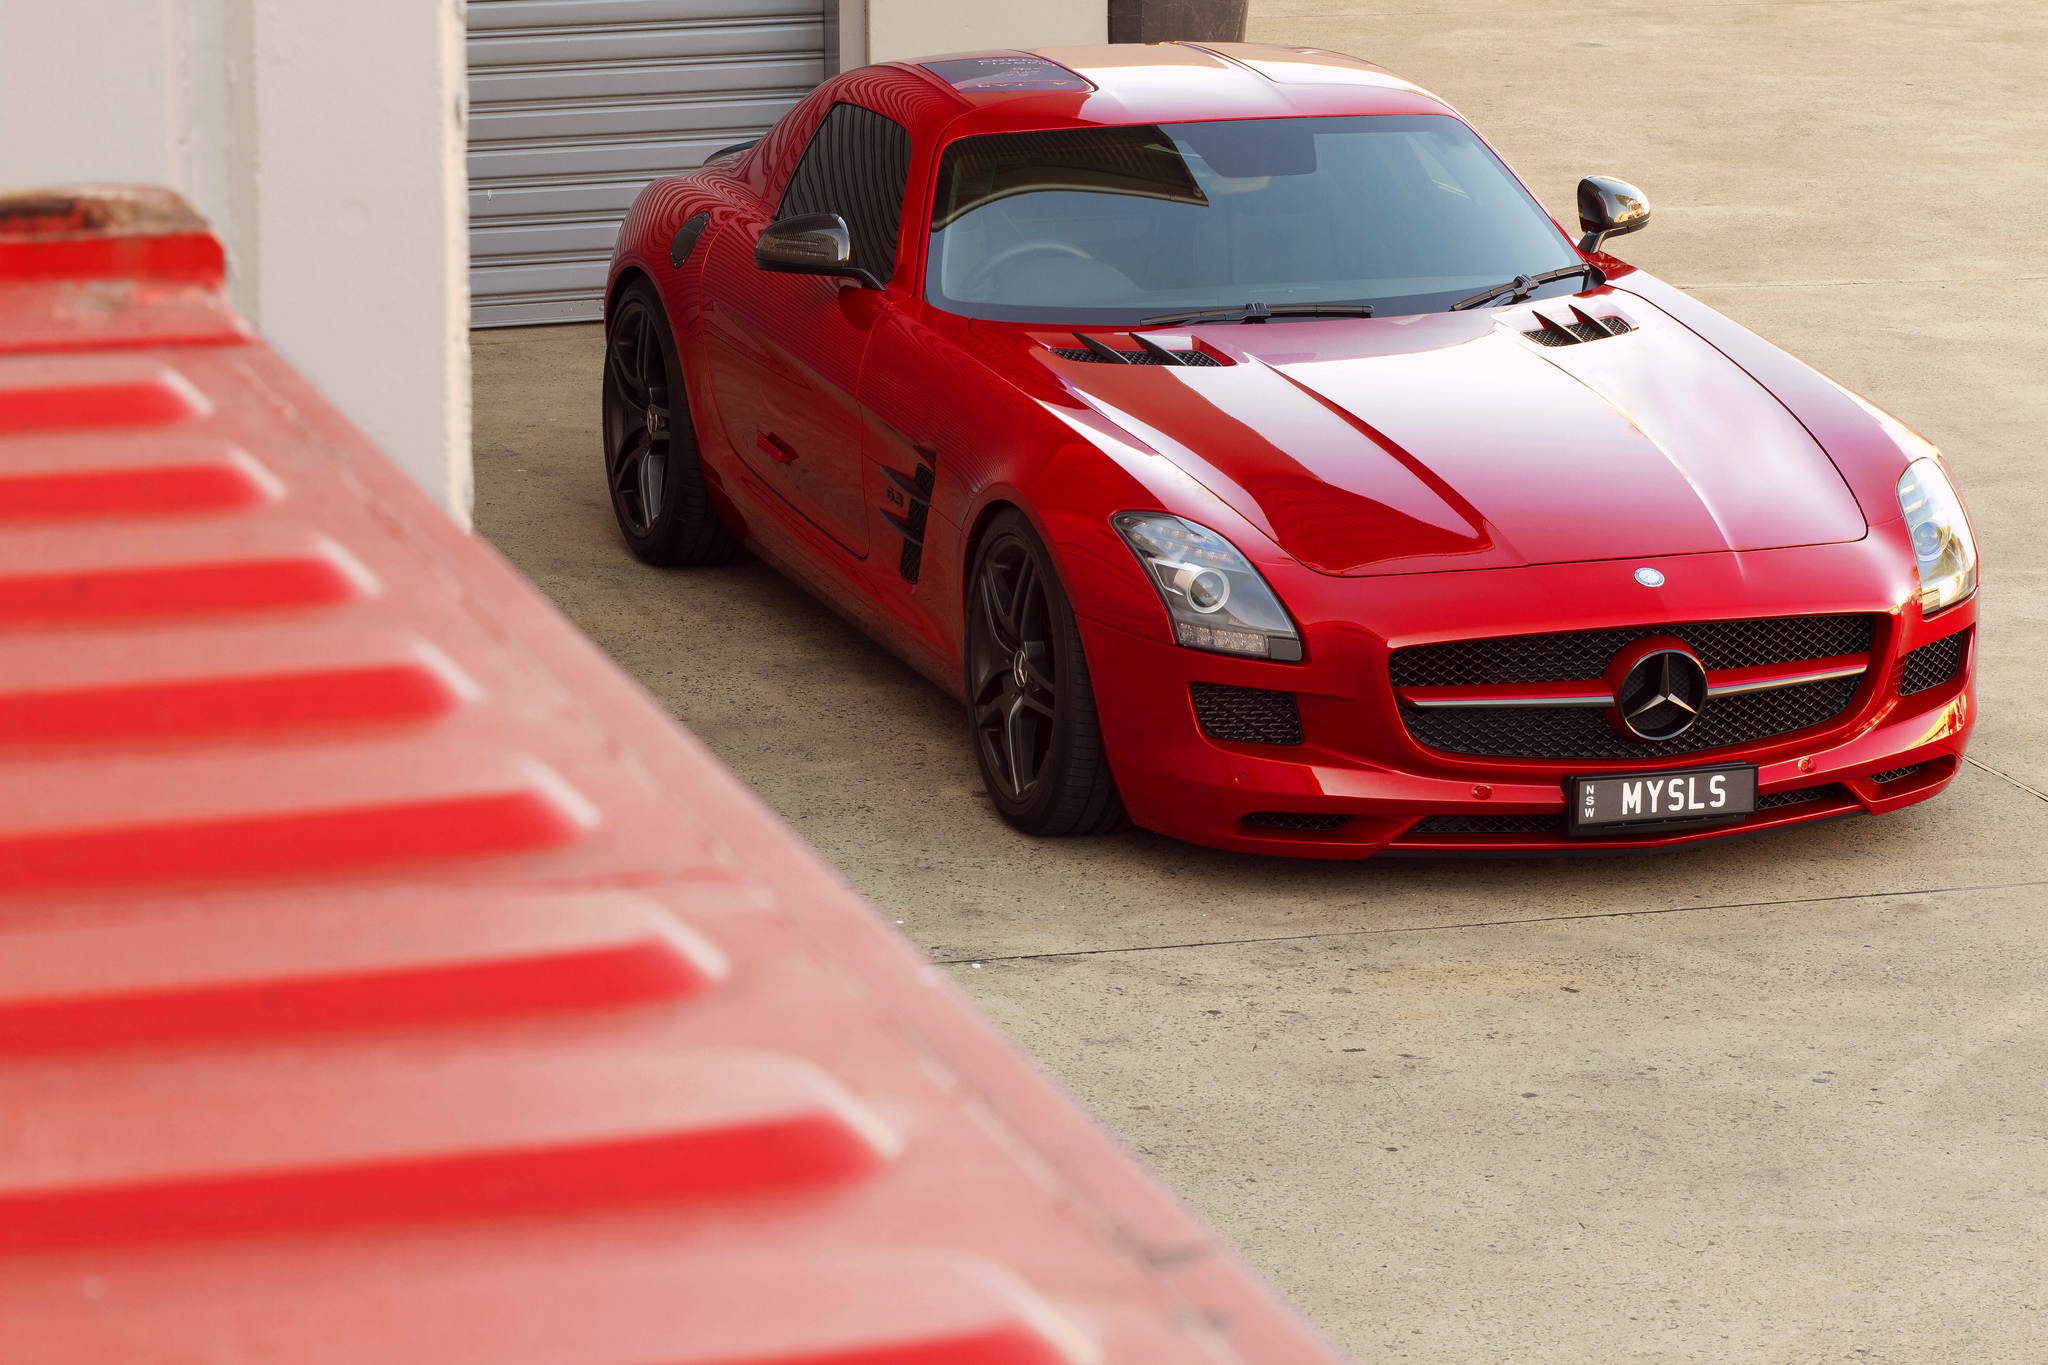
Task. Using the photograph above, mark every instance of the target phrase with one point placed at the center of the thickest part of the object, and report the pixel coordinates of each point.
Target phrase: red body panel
(385, 979)
(1399, 481)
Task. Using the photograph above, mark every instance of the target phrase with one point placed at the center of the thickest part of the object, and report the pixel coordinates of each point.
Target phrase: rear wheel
(650, 445)
(1036, 735)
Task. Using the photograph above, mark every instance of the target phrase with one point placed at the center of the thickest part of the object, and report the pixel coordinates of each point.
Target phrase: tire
(650, 444)
(1031, 704)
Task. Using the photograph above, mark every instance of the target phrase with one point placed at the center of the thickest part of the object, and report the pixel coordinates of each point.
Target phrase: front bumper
(1358, 759)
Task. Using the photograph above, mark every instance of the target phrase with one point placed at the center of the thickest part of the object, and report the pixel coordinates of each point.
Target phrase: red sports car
(1236, 435)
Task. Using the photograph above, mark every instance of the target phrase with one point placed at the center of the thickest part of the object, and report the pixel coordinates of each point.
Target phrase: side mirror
(1609, 208)
(810, 244)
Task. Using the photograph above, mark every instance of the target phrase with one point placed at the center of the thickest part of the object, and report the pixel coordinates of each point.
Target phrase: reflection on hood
(1449, 441)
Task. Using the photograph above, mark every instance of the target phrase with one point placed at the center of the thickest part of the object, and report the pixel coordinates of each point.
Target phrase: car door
(784, 351)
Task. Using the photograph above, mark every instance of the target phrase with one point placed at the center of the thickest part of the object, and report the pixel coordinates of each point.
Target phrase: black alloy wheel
(1036, 735)
(650, 446)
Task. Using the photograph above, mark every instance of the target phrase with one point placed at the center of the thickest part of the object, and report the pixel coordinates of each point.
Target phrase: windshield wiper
(1259, 312)
(1521, 286)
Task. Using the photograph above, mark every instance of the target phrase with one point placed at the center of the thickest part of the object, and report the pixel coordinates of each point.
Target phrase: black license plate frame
(1590, 797)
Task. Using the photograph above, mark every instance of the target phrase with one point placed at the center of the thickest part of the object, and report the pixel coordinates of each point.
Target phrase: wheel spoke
(1035, 672)
(992, 610)
(657, 415)
(652, 468)
(991, 680)
(1020, 598)
(1017, 782)
(626, 473)
(625, 353)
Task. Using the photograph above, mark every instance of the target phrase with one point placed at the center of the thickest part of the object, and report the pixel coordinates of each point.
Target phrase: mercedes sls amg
(1240, 440)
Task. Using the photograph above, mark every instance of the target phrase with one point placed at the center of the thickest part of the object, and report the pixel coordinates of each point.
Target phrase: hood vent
(1587, 328)
(1096, 352)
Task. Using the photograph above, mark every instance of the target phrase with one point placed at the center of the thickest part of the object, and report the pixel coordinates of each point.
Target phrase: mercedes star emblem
(1662, 695)
(1649, 577)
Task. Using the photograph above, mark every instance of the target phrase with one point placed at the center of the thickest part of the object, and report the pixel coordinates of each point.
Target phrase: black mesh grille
(1294, 819)
(1932, 665)
(1489, 824)
(1532, 732)
(1247, 715)
(1583, 654)
(1195, 358)
(1826, 792)
(1548, 336)
(1894, 774)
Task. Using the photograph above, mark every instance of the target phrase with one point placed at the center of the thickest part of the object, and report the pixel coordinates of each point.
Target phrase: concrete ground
(1773, 1101)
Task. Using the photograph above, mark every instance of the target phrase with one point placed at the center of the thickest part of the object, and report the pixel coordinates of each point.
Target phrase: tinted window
(1409, 213)
(856, 167)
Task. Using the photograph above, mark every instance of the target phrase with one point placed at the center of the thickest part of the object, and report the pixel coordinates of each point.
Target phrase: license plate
(1689, 796)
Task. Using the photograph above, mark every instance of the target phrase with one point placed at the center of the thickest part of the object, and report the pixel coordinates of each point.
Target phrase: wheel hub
(1020, 669)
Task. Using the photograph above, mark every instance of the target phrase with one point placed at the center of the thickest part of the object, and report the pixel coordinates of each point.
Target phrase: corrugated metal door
(576, 104)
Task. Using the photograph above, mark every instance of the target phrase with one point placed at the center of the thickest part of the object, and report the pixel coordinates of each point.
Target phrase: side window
(856, 166)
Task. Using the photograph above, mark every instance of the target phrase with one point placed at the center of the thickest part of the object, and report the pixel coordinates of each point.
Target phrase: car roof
(1170, 82)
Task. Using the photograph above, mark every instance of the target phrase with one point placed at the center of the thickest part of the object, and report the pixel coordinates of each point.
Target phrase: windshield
(1408, 213)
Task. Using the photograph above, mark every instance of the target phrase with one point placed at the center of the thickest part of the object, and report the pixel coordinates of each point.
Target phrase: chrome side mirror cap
(1609, 208)
(810, 244)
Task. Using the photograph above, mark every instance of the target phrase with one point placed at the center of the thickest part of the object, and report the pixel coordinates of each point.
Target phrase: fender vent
(1247, 715)
(1585, 328)
(916, 491)
(1295, 819)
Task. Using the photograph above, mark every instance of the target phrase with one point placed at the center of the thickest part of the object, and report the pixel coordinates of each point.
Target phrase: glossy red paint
(1399, 481)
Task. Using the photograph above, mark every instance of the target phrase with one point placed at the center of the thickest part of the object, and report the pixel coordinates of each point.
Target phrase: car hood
(1454, 441)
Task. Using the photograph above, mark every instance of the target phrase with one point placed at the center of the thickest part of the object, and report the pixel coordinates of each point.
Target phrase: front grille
(1566, 733)
(1894, 774)
(1584, 655)
(1488, 824)
(1932, 665)
(1581, 654)
(1826, 792)
(1294, 819)
(1247, 715)
(1195, 358)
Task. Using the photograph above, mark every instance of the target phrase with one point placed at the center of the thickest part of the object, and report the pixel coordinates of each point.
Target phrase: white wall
(324, 141)
(890, 30)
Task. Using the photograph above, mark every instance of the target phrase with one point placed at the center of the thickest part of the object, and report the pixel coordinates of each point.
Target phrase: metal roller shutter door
(576, 104)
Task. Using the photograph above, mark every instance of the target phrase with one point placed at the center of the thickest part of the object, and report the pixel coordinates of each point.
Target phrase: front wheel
(650, 445)
(1036, 735)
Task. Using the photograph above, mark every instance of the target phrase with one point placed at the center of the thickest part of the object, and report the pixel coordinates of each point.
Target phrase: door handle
(775, 448)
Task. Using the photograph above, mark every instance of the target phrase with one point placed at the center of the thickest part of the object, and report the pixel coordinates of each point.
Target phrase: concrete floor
(1774, 1101)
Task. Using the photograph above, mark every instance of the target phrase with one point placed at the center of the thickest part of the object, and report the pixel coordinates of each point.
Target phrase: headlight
(1942, 549)
(1216, 598)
